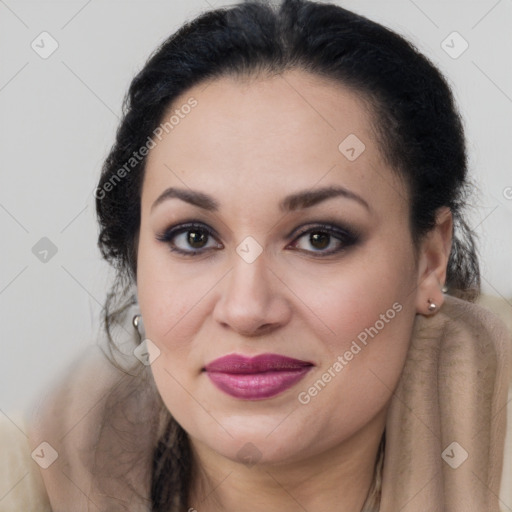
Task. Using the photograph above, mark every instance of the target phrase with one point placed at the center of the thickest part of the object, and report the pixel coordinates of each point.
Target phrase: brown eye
(324, 240)
(190, 239)
(319, 240)
(196, 238)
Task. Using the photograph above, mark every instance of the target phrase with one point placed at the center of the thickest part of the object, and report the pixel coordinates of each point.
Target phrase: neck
(338, 478)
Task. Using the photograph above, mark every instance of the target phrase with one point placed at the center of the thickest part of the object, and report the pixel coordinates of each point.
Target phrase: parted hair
(418, 127)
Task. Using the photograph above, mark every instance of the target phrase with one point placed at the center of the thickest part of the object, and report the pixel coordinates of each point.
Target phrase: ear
(433, 260)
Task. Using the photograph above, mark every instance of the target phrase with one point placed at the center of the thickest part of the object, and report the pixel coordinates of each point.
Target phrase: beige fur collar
(450, 404)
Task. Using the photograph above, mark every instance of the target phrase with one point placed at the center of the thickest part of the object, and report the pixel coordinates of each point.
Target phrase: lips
(256, 378)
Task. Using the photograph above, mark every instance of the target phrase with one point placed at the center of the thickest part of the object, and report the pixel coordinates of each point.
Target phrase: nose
(253, 299)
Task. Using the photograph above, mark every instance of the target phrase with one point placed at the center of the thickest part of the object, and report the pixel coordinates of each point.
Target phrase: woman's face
(300, 248)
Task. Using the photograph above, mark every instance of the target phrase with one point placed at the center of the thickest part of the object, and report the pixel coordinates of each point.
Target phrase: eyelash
(345, 236)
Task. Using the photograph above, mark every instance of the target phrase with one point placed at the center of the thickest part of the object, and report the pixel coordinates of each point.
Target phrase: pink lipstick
(256, 378)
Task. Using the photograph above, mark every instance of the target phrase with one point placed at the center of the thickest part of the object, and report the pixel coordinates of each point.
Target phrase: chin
(257, 441)
(257, 449)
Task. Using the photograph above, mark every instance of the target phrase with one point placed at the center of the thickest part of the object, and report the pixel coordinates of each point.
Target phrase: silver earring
(432, 306)
(137, 321)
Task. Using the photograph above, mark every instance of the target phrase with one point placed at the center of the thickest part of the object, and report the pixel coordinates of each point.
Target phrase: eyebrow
(296, 201)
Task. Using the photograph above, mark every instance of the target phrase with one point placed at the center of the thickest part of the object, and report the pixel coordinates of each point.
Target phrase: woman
(284, 208)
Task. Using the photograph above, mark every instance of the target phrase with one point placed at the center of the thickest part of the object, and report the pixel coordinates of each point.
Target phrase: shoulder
(61, 422)
(100, 421)
(21, 485)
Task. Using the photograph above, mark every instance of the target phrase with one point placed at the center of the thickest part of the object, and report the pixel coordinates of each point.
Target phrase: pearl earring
(432, 306)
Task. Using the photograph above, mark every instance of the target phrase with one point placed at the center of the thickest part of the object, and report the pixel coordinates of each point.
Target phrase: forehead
(271, 132)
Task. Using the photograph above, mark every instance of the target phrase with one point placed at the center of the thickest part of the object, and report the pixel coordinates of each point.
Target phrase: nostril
(262, 329)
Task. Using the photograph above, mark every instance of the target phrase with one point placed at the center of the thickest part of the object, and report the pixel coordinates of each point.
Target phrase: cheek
(175, 300)
(358, 378)
(167, 293)
(170, 302)
(367, 313)
(361, 298)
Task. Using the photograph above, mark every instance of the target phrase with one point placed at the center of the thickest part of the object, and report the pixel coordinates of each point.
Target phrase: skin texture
(249, 143)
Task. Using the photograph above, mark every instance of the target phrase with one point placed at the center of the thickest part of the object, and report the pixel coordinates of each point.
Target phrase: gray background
(57, 122)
